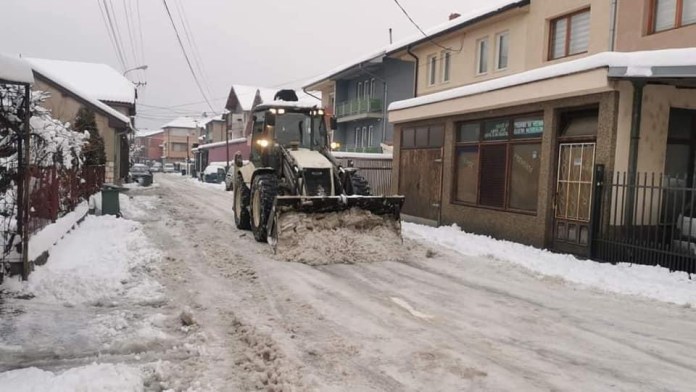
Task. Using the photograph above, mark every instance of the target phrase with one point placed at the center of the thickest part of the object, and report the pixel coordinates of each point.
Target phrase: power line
(130, 32)
(188, 33)
(109, 32)
(188, 61)
(140, 31)
(421, 30)
(116, 30)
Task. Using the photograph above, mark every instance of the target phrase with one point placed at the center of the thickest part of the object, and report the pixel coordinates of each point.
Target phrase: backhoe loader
(292, 184)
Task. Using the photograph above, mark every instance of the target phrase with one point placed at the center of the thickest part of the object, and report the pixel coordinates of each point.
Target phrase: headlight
(335, 146)
(262, 142)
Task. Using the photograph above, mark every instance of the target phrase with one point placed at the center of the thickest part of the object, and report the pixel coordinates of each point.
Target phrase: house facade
(523, 109)
(358, 95)
(73, 85)
(179, 137)
(149, 142)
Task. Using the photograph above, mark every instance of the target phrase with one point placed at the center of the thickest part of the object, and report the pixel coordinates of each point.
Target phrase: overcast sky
(272, 43)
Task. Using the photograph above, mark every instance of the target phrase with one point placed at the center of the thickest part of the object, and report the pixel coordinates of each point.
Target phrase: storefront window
(498, 162)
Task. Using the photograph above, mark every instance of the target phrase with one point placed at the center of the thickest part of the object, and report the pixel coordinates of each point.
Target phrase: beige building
(522, 113)
(179, 137)
(73, 85)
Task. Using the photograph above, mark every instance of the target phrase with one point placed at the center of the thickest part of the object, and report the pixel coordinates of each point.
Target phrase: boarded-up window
(498, 162)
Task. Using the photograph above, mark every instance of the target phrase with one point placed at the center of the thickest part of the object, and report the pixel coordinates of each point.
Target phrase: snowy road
(436, 321)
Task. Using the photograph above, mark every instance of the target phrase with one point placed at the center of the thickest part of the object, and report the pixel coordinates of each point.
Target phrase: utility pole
(26, 182)
(227, 145)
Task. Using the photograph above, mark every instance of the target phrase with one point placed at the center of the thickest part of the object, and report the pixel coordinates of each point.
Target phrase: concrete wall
(528, 228)
(64, 107)
(632, 30)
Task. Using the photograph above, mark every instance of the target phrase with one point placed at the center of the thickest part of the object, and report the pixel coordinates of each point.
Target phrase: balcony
(359, 108)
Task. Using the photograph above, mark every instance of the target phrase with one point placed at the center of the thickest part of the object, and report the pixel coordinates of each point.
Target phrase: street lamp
(143, 67)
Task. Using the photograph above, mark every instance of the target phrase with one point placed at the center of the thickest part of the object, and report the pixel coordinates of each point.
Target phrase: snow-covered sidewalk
(91, 309)
(632, 279)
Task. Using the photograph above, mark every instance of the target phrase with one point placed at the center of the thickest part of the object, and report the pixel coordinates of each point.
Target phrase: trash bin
(110, 205)
(183, 172)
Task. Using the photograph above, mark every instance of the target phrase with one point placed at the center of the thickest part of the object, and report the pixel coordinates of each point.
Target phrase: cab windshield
(307, 131)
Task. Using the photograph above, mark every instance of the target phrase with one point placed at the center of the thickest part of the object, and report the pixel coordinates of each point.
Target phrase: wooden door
(420, 180)
(573, 198)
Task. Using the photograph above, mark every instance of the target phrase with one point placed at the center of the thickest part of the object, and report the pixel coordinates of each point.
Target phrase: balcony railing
(358, 106)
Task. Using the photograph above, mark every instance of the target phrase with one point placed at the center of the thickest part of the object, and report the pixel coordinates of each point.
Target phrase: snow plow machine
(292, 186)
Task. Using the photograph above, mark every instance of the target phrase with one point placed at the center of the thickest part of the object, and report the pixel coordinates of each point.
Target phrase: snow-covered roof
(100, 81)
(637, 64)
(15, 70)
(246, 95)
(183, 122)
(48, 72)
(147, 132)
(493, 7)
(306, 104)
(205, 120)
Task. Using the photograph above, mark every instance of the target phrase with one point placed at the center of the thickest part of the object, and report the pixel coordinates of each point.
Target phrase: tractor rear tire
(359, 186)
(242, 194)
(263, 192)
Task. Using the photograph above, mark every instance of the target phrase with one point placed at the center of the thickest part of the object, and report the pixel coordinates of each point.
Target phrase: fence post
(595, 218)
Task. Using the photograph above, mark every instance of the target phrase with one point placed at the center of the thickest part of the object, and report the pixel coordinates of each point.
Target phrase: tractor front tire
(359, 186)
(242, 194)
(263, 192)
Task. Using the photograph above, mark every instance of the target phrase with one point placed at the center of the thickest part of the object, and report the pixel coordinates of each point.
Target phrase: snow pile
(102, 262)
(138, 208)
(647, 281)
(49, 235)
(94, 378)
(353, 236)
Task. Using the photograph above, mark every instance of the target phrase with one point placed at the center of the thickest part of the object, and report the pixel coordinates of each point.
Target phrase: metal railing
(358, 106)
(645, 218)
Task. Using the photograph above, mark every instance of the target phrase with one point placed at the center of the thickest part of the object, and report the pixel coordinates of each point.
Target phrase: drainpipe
(310, 94)
(612, 26)
(415, 80)
(636, 115)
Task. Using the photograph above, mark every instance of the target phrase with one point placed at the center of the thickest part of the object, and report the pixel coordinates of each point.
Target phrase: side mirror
(333, 124)
(238, 159)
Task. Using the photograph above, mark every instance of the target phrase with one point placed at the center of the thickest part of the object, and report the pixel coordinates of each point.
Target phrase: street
(433, 321)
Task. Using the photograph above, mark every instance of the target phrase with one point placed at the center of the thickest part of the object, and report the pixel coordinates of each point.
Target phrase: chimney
(454, 15)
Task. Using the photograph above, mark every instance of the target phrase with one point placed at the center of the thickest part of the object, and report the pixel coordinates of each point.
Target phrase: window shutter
(559, 38)
(689, 12)
(580, 33)
(665, 14)
(493, 167)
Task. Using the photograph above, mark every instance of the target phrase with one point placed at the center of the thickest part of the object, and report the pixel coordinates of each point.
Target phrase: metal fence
(56, 192)
(646, 218)
(377, 172)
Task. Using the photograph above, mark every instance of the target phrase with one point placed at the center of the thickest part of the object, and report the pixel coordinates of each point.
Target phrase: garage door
(420, 170)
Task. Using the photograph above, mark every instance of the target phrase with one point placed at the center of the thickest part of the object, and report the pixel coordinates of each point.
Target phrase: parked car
(229, 180)
(141, 174)
(156, 167)
(168, 168)
(214, 174)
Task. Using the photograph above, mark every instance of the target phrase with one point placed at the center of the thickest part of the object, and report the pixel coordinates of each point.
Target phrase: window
(432, 70)
(357, 137)
(179, 147)
(501, 52)
(359, 91)
(372, 88)
(368, 90)
(497, 162)
(670, 14)
(482, 55)
(446, 60)
(429, 136)
(370, 132)
(570, 35)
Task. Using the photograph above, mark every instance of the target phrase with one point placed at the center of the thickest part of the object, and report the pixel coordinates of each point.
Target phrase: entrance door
(420, 172)
(573, 200)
